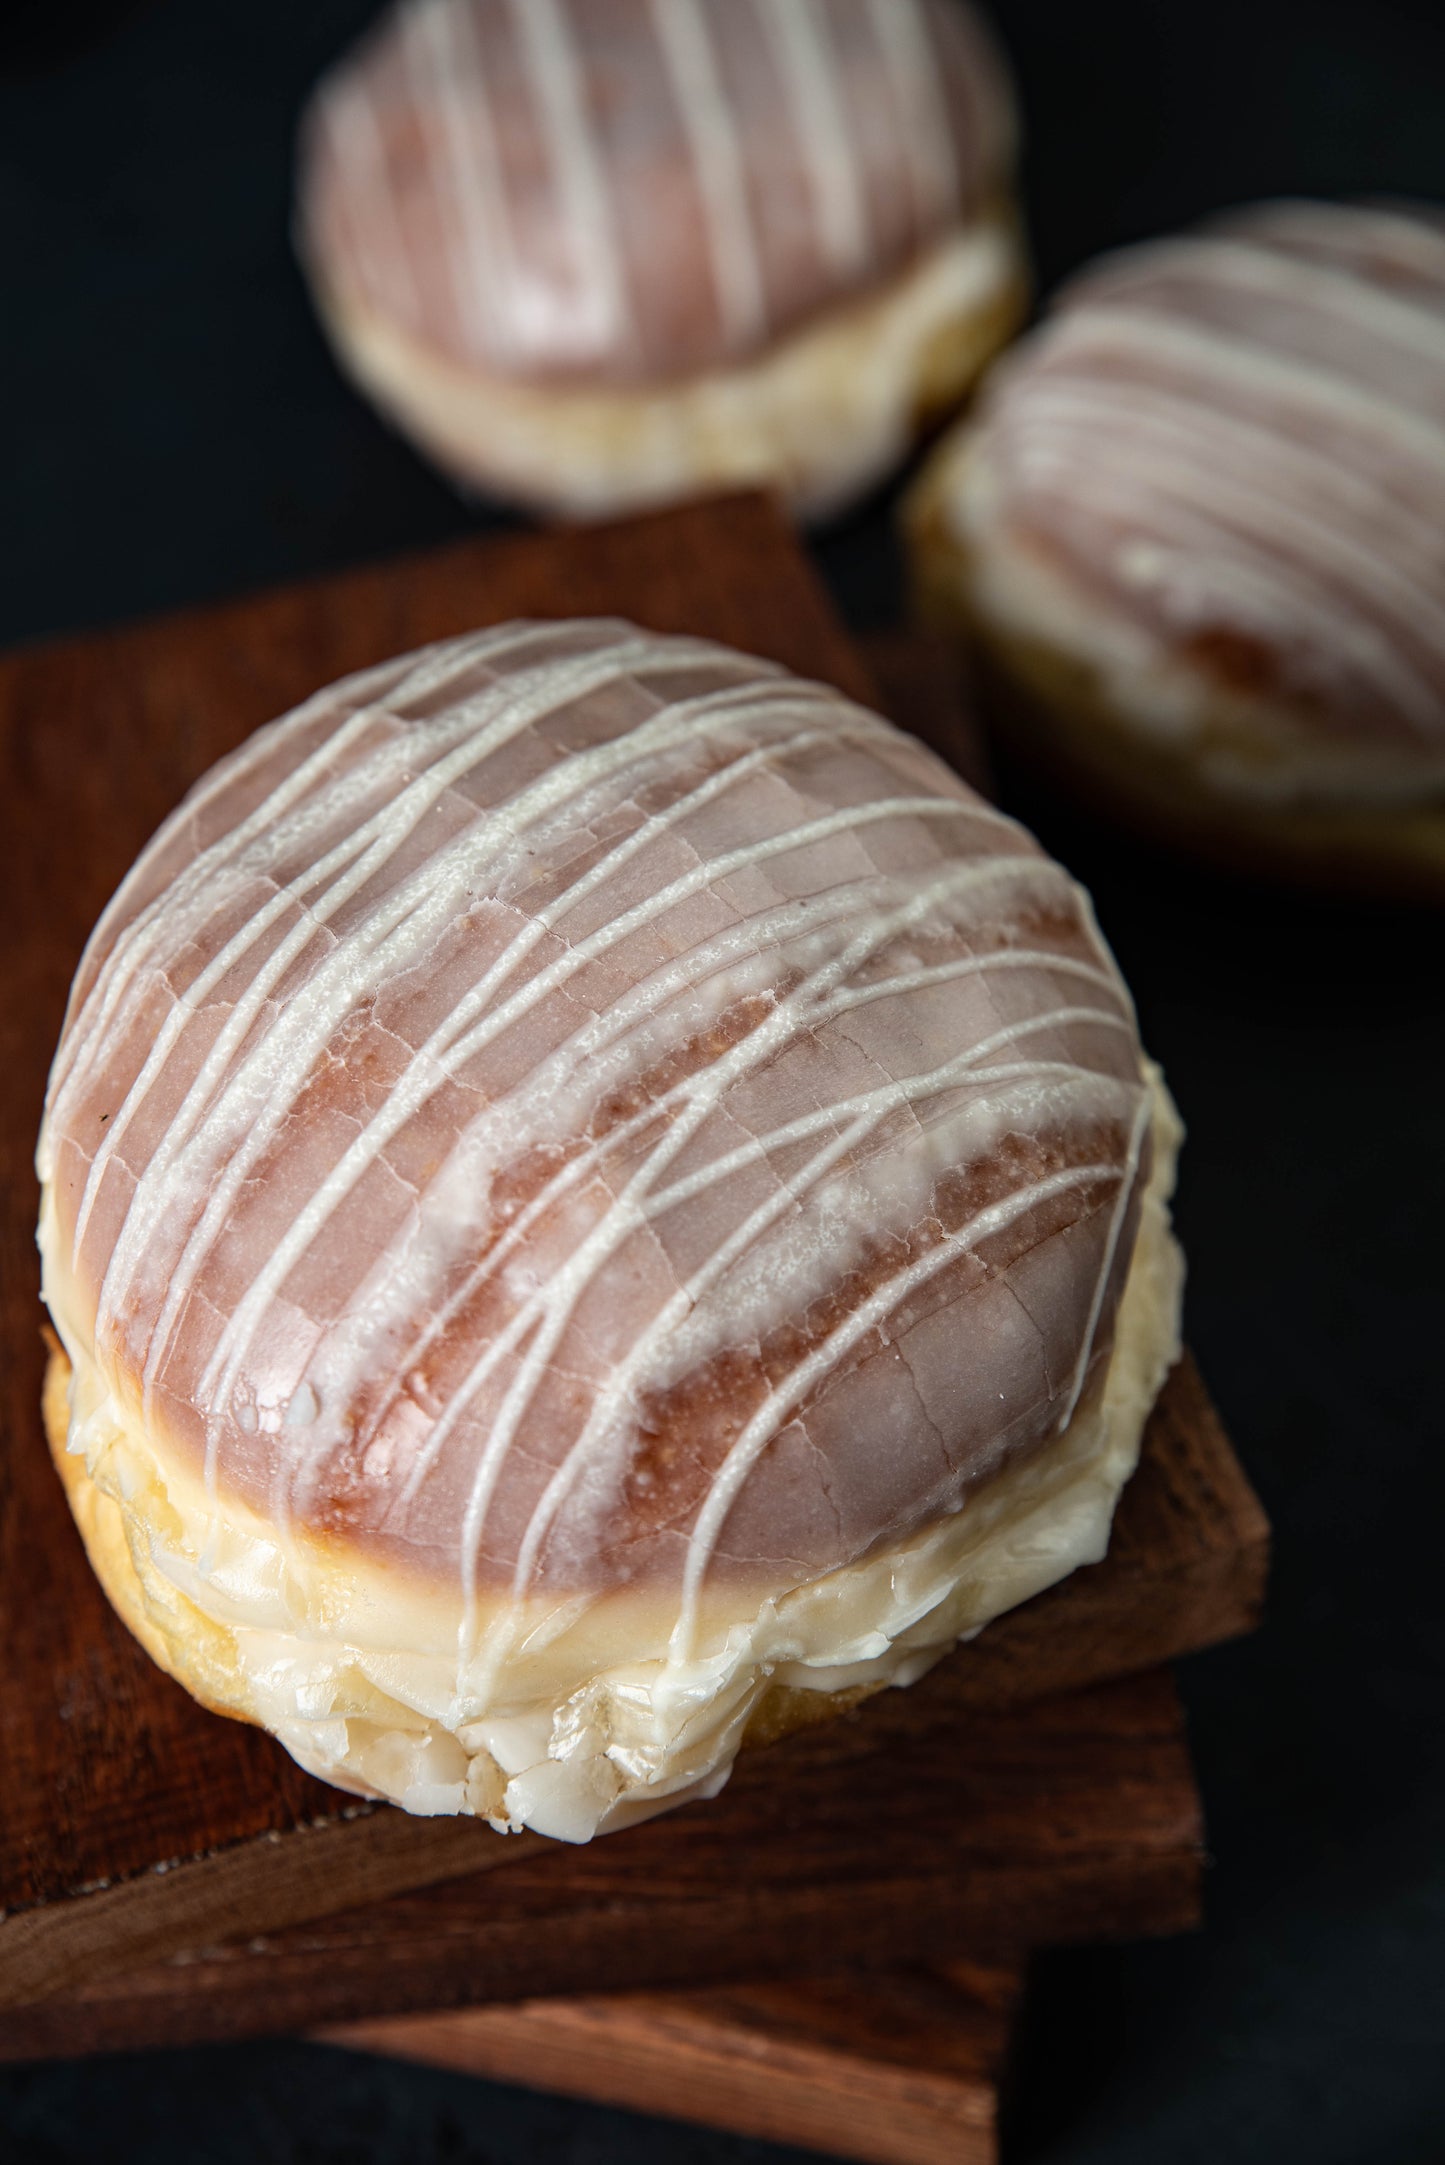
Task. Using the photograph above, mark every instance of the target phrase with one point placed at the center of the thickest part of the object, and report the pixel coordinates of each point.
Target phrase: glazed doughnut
(598, 1202)
(1197, 527)
(599, 254)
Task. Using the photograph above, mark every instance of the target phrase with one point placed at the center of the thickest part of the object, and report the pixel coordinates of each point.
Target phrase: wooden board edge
(254, 1887)
(704, 2059)
(652, 538)
(925, 1919)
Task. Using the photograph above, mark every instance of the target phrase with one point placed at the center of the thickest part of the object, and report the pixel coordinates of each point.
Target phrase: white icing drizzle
(806, 63)
(141, 929)
(913, 71)
(454, 1044)
(865, 1117)
(1239, 433)
(769, 1418)
(1407, 236)
(717, 840)
(545, 1317)
(865, 1111)
(467, 198)
(477, 1020)
(363, 852)
(1331, 291)
(1279, 560)
(1215, 362)
(382, 255)
(543, 28)
(453, 237)
(717, 156)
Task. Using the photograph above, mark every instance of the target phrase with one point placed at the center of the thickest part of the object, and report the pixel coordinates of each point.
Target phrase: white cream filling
(820, 416)
(1242, 745)
(584, 1724)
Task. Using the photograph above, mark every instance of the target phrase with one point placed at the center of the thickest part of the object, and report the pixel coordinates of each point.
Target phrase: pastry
(1197, 528)
(597, 1203)
(596, 254)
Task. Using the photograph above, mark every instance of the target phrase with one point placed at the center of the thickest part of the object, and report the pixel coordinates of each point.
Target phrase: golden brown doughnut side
(819, 416)
(781, 1711)
(101, 1525)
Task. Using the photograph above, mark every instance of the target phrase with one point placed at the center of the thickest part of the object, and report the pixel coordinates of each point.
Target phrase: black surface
(171, 428)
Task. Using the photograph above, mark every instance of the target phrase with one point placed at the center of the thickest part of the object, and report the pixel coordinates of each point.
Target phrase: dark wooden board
(136, 1825)
(902, 2068)
(890, 1840)
(1186, 1567)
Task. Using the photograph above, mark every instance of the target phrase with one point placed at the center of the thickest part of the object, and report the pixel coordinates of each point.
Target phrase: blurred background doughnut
(1198, 526)
(595, 254)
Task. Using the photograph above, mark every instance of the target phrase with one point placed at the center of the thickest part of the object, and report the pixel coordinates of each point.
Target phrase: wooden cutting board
(136, 1825)
(877, 1841)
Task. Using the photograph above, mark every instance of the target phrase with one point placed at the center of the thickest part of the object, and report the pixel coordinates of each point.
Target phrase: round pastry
(596, 254)
(1198, 526)
(597, 1202)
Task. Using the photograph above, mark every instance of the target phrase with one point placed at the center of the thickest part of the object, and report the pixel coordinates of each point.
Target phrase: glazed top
(1236, 440)
(571, 1107)
(642, 189)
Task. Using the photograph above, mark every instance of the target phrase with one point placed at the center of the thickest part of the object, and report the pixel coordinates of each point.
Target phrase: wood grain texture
(889, 1841)
(136, 1825)
(902, 2068)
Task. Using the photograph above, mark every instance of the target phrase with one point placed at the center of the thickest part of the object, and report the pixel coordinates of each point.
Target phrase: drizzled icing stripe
(1308, 565)
(865, 1108)
(1240, 436)
(358, 858)
(1331, 291)
(864, 1118)
(769, 1418)
(483, 1014)
(382, 254)
(914, 72)
(1403, 236)
(455, 1050)
(480, 1017)
(552, 1310)
(1223, 363)
(478, 724)
(139, 936)
(467, 198)
(712, 133)
(694, 1104)
(806, 63)
(588, 221)
(724, 971)
(500, 241)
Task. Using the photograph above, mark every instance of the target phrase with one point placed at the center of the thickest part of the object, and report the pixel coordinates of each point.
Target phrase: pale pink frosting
(571, 1107)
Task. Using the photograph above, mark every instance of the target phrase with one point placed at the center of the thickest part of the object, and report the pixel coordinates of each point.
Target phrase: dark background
(171, 428)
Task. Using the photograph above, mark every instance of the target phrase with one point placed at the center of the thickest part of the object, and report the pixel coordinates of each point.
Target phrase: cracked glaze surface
(572, 1112)
(636, 190)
